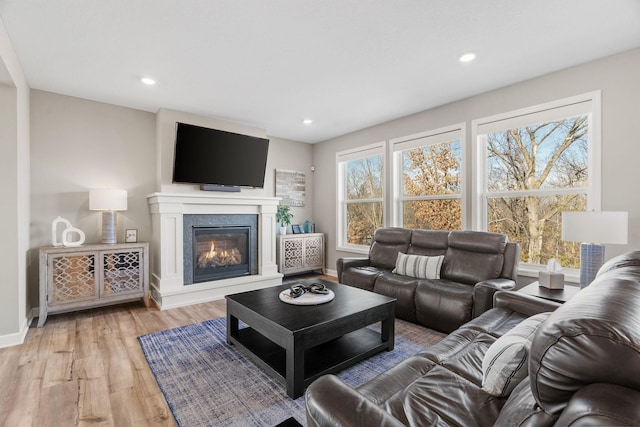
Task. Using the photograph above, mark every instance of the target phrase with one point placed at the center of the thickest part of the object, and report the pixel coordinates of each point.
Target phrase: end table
(557, 295)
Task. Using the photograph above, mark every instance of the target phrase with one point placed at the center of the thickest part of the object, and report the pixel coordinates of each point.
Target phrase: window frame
(342, 158)
(455, 132)
(585, 104)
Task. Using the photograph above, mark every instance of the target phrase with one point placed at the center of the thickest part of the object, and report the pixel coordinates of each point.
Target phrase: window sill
(571, 275)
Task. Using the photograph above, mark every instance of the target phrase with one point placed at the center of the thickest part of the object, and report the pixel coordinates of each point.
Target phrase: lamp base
(109, 227)
(591, 259)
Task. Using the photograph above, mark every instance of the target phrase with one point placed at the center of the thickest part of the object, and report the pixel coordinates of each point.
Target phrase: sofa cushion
(505, 363)
(496, 322)
(429, 242)
(403, 289)
(387, 242)
(442, 398)
(521, 409)
(474, 256)
(422, 267)
(380, 388)
(443, 305)
(461, 352)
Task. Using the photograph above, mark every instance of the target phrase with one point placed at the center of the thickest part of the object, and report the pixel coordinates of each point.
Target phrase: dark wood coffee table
(297, 344)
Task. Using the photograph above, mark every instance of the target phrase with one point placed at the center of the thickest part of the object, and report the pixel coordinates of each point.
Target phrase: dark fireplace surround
(219, 246)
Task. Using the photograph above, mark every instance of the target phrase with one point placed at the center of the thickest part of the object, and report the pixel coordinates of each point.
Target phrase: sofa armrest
(330, 402)
(523, 303)
(483, 293)
(343, 263)
(603, 405)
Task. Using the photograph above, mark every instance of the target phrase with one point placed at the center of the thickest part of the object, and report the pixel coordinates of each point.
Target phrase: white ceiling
(347, 64)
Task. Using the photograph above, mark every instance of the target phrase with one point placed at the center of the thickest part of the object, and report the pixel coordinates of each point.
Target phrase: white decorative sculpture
(67, 233)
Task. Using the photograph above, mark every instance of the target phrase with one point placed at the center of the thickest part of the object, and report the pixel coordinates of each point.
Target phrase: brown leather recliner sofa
(583, 367)
(476, 265)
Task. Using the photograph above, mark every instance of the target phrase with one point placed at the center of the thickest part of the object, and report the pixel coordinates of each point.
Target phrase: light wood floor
(87, 368)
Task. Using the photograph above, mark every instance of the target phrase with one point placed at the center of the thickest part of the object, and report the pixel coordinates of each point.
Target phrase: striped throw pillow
(506, 362)
(422, 267)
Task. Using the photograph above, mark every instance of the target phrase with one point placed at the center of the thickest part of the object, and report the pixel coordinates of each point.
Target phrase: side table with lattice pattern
(74, 278)
(298, 253)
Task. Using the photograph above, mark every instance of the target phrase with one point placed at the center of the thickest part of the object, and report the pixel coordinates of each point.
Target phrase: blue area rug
(206, 382)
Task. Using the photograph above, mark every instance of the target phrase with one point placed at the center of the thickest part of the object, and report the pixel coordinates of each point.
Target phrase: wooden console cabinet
(75, 278)
(297, 253)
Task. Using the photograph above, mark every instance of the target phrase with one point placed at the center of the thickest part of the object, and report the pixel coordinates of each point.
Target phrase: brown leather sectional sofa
(476, 265)
(583, 367)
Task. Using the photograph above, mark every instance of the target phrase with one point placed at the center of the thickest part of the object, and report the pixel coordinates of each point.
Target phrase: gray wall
(79, 144)
(283, 154)
(14, 187)
(616, 77)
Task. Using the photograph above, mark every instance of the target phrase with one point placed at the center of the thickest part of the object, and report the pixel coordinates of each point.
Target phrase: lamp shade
(595, 227)
(107, 200)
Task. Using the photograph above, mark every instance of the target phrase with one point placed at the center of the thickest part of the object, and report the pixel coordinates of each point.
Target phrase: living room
(62, 145)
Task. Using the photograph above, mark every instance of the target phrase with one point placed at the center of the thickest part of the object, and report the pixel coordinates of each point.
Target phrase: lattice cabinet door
(314, 251)
(293, 248)
(72, 277)
(122, 272)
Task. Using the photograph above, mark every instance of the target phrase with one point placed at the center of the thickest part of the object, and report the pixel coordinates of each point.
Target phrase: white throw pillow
(506, 362)
(422, 267)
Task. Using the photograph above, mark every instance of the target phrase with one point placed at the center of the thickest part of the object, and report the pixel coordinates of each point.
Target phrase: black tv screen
(217, 157)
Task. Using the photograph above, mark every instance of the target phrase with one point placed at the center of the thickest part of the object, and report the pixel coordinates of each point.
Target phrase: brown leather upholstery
(386, 245)
(584, 367)
(403, 289)
(476, 265)
(443, 305)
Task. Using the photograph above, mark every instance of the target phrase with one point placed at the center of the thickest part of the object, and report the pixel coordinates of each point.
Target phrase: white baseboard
(17, 338)
(332, 273)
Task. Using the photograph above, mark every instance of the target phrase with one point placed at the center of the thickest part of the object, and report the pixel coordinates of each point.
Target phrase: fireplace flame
(219, 258)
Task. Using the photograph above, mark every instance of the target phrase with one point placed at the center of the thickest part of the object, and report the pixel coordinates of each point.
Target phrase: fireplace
(219, 246)
(220, 253)
(173, 216)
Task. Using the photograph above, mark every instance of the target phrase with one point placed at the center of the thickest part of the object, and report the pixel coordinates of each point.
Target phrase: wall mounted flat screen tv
(217, 157)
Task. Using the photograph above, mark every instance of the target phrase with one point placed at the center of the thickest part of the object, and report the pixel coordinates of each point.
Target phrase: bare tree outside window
(534, 173)
(364, 198)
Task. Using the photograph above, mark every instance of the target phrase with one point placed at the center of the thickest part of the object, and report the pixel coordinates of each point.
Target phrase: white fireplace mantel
(167, 275)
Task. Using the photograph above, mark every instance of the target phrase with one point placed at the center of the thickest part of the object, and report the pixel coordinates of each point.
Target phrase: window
(360, 195)
(428, 180)
(534, 164)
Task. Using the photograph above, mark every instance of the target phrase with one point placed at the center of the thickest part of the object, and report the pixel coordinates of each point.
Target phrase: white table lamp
(592, 229)
(108, 201)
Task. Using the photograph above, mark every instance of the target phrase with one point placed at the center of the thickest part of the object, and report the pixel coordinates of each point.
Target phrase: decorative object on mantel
(283, 216)
(296, 229)
(108, 201)
(290, 186)
(68, 231)
(592, 229)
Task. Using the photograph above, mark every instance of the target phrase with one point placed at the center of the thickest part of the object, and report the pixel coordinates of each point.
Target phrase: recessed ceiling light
(148, 81)
(307, 121)
(467, 57)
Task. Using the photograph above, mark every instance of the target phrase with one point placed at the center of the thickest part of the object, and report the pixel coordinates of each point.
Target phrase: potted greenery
(283, 216)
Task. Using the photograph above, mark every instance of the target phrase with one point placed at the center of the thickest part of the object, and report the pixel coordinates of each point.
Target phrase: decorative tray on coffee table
(307, 298)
